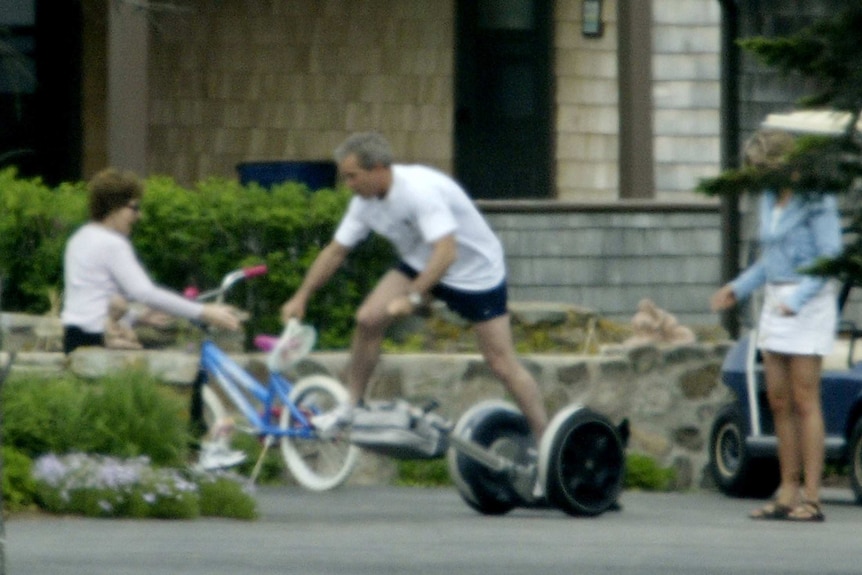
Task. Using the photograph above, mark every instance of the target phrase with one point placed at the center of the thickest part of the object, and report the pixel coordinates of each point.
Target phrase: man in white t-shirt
(447, 251)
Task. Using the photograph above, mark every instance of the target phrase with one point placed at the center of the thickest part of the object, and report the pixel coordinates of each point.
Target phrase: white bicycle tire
(302, 455)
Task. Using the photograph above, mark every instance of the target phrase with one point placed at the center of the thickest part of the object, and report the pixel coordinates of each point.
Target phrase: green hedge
(194, 236)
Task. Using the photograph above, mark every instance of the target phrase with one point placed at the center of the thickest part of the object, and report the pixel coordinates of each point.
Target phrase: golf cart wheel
(735, 471)
(502, 429)
(581, 462)
(855, 460)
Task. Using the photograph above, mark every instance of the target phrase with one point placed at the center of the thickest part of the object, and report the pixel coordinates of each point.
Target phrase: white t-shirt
(100, 263)
(422, 206)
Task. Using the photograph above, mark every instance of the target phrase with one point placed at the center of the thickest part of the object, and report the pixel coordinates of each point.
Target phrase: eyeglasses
(134, 206)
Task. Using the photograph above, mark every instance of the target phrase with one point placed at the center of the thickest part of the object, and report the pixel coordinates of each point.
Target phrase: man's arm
(443, 255)
(325, 265)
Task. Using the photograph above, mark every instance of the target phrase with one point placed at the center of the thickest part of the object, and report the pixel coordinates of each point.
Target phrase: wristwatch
(415, 298)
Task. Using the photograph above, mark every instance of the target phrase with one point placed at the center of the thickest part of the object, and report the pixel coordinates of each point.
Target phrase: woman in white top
(100, 263)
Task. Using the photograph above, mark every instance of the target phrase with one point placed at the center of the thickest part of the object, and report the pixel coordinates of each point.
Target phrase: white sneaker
(217, 455)
(330, 423)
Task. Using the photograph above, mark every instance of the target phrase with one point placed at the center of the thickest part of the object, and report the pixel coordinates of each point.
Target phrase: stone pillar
(128, 44)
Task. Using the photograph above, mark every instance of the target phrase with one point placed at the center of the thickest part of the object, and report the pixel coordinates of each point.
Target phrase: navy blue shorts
(74, 337)
(474, 306)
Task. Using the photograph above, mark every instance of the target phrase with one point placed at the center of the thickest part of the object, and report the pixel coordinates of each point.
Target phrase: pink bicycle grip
(253, 271)
(191, 292)
(265, 342)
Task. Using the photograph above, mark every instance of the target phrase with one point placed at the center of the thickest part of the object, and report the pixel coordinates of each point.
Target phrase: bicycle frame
(233, 379)
(277, 410)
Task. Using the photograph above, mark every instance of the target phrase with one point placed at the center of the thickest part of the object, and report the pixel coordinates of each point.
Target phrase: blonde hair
(768, 149)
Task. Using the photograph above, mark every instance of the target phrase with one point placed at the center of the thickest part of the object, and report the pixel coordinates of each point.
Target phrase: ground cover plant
(113, 447)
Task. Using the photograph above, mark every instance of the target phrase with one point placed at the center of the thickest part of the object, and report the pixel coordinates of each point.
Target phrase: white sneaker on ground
(217, 455)
(330, 423)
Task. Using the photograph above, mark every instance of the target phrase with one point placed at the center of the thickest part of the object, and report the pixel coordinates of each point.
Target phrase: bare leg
(495, 342)
(371, 323)
(777, 371)
(805, 382)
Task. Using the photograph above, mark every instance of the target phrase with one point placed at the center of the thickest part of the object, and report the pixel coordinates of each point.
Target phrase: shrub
(272, 469)
(125, 415)
(642, 472)
(108, 448)
(42, 415)
(19, 487)
(35, 221)
(193, 237)
(131, 414)
(100, 486)
(224, 494)
(423, 473)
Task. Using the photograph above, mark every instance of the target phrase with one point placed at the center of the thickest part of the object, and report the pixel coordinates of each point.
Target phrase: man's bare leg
(372, 320)
(495, 342)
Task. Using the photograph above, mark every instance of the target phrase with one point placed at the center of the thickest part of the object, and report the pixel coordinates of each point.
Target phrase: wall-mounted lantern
(591, 13)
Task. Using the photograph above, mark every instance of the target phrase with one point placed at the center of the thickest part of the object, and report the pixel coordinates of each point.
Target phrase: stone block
(700, 382)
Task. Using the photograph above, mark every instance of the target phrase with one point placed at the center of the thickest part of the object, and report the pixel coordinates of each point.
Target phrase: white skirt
(810, 332)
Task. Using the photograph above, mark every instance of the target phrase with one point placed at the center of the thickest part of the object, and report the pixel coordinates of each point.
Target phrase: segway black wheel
(581, 462)
(500, 428)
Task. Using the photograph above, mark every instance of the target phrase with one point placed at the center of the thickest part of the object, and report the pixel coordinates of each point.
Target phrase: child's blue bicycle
(279, 411)
(578, 465)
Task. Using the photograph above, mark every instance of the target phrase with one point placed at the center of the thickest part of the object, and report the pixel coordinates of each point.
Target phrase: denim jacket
(808, 229)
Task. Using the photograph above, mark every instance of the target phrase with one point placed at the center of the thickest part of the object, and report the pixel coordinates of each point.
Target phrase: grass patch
(423, 473)
(643, 473)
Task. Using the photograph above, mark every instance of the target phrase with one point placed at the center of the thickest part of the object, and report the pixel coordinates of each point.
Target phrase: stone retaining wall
(669, 393)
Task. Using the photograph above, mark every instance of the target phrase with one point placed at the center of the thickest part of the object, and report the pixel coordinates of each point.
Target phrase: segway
(492, 458)
(579, 466)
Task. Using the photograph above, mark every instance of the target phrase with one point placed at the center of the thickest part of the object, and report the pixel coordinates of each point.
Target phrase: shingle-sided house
(580, 126)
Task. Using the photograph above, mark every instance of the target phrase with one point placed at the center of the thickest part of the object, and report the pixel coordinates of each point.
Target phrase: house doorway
(503, 98)
(40, 85)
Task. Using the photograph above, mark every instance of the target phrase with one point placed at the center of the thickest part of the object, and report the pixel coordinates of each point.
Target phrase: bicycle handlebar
(226, 283)
(255, 271)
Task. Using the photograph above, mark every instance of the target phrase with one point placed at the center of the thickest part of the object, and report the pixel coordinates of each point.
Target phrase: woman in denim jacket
(796, 327)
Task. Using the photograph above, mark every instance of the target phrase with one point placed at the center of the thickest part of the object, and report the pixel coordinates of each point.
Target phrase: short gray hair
(371, 149)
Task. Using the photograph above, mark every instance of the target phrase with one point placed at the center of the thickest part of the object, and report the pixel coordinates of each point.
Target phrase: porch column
(634, 20)
(127, 87)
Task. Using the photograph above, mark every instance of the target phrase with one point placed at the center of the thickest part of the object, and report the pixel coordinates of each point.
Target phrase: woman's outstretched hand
(221, 316)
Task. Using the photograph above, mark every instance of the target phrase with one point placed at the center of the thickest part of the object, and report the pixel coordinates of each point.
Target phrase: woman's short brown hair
(111, 190)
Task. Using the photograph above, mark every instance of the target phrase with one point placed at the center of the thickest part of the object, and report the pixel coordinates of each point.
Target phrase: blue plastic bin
(315, 175)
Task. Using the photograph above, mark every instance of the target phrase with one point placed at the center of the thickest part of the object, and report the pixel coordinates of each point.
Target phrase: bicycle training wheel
(581, 462)
(317, 464)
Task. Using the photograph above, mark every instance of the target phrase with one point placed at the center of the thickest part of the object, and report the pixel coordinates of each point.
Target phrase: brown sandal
(772, 510)
(807, 511)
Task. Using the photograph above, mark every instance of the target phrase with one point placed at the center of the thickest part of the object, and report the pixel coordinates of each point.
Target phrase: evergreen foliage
(829, 52)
